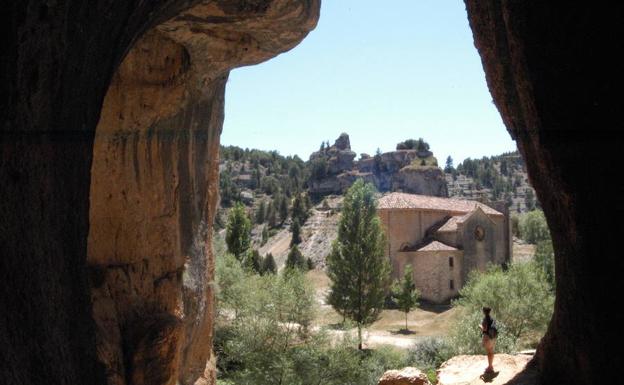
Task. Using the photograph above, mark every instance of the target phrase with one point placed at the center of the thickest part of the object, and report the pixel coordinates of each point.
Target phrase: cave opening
(550, 70)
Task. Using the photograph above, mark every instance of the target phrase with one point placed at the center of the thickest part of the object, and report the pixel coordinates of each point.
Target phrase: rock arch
(552, 70)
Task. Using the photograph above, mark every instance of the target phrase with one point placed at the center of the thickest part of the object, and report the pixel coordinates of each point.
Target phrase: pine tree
(357, 266)
(260, 212)
(283, 208)
(448, 168)
(238, 231)
(295, 228)
(265, 235)
(295, 259)
(268, 265)
(271, 216)
(254, 261)
(299, 210)
(405, 293)
(310, 263)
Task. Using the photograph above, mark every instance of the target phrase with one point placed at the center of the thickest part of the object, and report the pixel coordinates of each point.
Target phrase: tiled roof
(398, 200)
(451, 224)
(436, 246)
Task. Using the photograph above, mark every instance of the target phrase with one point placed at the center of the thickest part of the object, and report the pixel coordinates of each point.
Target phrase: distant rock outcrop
(409, 170)
(405, 376)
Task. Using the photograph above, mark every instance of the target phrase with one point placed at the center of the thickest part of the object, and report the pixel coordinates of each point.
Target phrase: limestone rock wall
(155, 185)
(153, 75)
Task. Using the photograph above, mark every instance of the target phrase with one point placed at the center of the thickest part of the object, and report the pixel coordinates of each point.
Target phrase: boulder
(405, 376)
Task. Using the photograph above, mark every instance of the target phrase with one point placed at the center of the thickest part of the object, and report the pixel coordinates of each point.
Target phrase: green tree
(268, 264)
(405, 293)
(260, 212)
(357, 266)
(283, 208)
(271, 215)
(299, 210)
(448, 168)
(295, 229)
(545, 259)
(295, 260)
(533, 227)
(254, 261)
(265, 235)
(238, 231)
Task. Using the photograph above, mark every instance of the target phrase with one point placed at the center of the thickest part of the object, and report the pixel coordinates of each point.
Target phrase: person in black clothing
(488, 339)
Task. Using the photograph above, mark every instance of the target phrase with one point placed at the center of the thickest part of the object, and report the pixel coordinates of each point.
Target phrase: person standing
(489, 334)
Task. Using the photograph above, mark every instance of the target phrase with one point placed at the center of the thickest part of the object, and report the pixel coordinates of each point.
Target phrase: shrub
(521, 302)
(533, 227)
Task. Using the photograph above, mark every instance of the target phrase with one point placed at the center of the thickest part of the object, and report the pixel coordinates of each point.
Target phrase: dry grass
(427, 320)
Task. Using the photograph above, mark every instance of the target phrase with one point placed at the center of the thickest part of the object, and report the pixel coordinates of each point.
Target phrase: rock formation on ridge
(409, 170)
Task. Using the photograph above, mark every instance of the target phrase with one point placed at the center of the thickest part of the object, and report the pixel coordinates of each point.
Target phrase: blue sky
(382, 71)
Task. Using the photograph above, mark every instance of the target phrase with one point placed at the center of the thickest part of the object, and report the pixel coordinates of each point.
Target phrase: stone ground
(469, 370)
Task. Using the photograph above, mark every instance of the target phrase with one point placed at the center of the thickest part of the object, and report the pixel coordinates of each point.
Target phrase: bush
(533, 227)
(521, 302)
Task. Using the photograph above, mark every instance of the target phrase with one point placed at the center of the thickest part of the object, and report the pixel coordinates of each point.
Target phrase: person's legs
(488, 344)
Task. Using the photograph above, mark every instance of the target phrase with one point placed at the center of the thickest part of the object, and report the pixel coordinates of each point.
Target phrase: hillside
(500, 177)
(271, 185)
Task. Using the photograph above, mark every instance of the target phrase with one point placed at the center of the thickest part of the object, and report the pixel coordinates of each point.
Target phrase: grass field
(424, 321)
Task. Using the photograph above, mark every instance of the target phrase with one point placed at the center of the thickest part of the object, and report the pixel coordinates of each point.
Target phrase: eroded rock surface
(405, 376)
(155, 185)
(469, 370)
(410, 171)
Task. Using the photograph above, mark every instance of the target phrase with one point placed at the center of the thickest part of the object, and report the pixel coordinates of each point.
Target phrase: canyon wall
(555, 77)
(137, 307)
(154, 185)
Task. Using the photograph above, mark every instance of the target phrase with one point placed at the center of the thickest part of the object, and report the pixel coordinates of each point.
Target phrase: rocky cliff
(409, 170)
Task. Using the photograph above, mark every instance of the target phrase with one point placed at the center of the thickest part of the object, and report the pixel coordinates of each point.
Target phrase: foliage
(428, 354)
(271, 215)
(296, 260)
(356, 265)
(283, 208)
(228, 190)
(268, 264)
(295, 229)
(405, 293)
(262, 334)
(448, 167)
(411, 144)
(533, 227)
(260, 212)
(238, 231)
(545, 259)
(521, 302)
(265, 235)
(254, 261)
(529, 199)
(300, 208)
(271, 322)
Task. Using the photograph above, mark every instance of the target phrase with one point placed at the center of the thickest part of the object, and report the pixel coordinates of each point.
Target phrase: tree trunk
(359, 336)
(406, 329)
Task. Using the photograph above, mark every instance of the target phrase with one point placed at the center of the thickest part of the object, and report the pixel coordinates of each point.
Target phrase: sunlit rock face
(154, 185)
(556, 81)
(112, 224)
